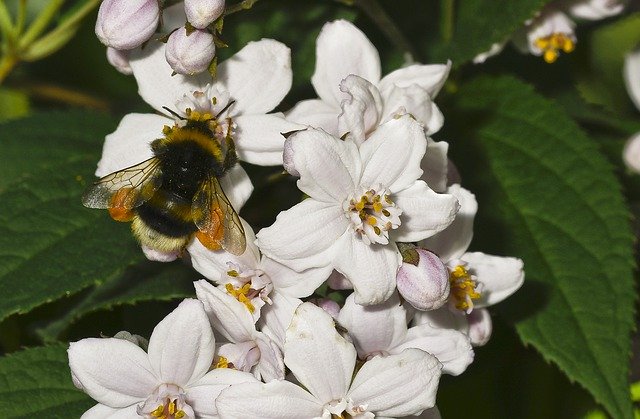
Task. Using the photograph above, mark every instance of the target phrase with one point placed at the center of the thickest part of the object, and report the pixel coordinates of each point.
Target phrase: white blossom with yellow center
(173, 380)
(548, 35)
(362, 199)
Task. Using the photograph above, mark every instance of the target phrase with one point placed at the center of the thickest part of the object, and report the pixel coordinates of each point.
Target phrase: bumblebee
(176, 194)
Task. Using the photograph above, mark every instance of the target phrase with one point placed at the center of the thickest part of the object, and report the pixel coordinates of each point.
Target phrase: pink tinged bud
(119, 60)
(426, 285)
(190, 54)
(480, 326)
(126, 24)
(329, 306)
(200, 13)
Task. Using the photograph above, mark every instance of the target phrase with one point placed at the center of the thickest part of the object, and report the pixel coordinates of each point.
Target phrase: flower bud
(119, 59)
(200, 13)
(480, 326)
(190, 54)
(126, 24)
(425, 284)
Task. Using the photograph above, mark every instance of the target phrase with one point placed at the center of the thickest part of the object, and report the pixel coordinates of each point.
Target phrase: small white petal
(480, 326)
(429, 77)
(415, 101)
(292, 283)
(362, 111)
(375, 328)
(275, 318)
(274, 400)
(391, 155)
(443, 318)
(424, 212)
(202, 394)
(316, 113)
(632, 76)
(181, 346)
(435, 165)
(371, 269)
(454, 240)
(119, 59)
(595, 9)
(318, 356)
(271, 365)
(397, 385)
(500, 276)
(342, 49)
(101, 411)
(258, 76)
(130, 143)
(237, 185)
(259, 138)
(112, 371)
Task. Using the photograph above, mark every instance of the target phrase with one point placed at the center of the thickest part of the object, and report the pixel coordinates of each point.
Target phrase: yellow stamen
(222, 362)
(233, 273)
(240, 294)
(158, 412)
(371, 220)
(552, 45)
(463, 288)
(377, 206)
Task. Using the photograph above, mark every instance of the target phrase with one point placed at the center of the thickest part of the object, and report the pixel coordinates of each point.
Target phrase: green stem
(22, 15)
(380, 17)
(446, 19)
(6, 25)
(40, 24)
(243, 5)
(7, 63)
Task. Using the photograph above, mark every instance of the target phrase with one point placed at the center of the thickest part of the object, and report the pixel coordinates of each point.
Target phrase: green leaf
(603, 83)
(479, 24)
(547, 195)
(13, 104)
(145, 281)
(50, 245)
(37, 383)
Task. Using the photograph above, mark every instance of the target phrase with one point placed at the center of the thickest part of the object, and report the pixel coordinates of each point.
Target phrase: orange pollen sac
(120, 205)
(463, 288)
(552, 45)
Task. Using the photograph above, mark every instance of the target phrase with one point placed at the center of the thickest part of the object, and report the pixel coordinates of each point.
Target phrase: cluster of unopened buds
(188, 29)
(385, 224)
(552, 32)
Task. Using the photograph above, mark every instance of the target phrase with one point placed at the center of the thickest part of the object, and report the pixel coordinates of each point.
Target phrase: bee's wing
(214, 216)
(135, 185)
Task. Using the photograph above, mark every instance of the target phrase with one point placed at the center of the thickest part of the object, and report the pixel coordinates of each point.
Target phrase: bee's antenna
(225, 108)
(174, 113)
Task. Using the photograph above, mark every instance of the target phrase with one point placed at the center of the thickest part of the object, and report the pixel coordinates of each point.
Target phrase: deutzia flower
(251, 278)
(477, 280)
(631, 152)
(547, 35)
(323, 362)
(173, 379)
(248, 349)
(382, 330)
(361, 201)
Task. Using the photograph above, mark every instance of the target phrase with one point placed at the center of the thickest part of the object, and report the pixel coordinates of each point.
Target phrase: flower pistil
(373, 214)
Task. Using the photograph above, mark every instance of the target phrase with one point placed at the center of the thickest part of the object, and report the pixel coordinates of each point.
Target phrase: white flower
(119, 59)
(631, 152)
(548, 34)
(593, 9)
(477, 280)
(382, 329)
(361, 201)
(174, 374)
(323, 363)
(251, 278)
(248, 349)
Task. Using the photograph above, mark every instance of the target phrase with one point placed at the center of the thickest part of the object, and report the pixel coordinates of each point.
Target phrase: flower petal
(271, 365)
(275, 318)
(631, 79)
(316, 113)
(229, 316)
(430, 77)
(443, 318)
(362, 111)
(374, 328)
(237, 186)
(156, 85)
(480, 326)
(371, 269)
(276, 399)
(342, 49)
(397, 385)
(304, 236)
(424, 212)
(435, 165)
(258, 76)
(631, 153)
(101, 411)
(320, 358)
(453, 241)
(114, 372)
(451, 347)
(415, 101)
(328, 167)
(181, 346)
(202, 394)
(259, 138)
(130, 143)
(391, 155)
(500, 276)
(292, 283)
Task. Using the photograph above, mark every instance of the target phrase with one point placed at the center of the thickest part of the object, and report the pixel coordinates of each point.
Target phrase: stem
(446, 19)
(380, 17)
(243, 5)
(64, 95)
(22, 15)
(40, 24)
(6, 26)
(7, 63)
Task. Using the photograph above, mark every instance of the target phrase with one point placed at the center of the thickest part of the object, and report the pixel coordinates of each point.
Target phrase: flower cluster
(188, 29)
(382, 217)
(552, 32)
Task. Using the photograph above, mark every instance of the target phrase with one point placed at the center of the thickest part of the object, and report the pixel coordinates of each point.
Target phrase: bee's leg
(231, 157)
